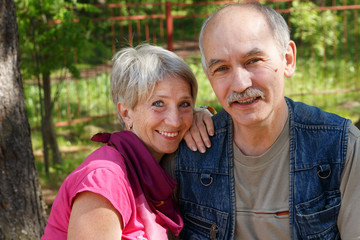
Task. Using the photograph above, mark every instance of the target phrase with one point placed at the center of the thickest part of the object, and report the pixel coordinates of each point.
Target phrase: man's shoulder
(354, 131)
(221, 119)
(304, 114)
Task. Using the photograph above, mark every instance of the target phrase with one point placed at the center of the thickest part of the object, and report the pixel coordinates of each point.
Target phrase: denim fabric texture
(318, 144)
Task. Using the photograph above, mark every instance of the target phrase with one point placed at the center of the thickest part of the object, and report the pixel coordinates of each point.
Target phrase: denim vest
(318, 144)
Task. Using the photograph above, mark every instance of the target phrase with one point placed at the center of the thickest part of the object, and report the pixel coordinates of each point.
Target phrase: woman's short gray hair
(274, 19)
(136, 70)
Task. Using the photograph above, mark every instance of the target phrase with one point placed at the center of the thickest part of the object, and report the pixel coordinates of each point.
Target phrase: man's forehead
(232, 19)
(238, 11)
(231, 30)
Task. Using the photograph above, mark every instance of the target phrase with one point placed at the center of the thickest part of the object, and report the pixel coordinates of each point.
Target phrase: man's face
(245, 66)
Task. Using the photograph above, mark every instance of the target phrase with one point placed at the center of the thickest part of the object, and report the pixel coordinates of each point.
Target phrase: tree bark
(22, 210)
(48, 128)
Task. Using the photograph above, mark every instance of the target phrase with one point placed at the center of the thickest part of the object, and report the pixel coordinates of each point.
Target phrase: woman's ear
(290, 58)
(124, 113)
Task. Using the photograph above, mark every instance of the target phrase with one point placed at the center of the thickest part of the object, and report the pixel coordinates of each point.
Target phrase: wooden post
(169, 27)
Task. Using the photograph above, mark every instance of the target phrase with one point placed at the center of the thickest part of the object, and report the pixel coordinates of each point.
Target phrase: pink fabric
(104, 172)
(147, 178)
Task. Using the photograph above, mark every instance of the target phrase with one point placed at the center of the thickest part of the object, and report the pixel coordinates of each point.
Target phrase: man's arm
(349, 215)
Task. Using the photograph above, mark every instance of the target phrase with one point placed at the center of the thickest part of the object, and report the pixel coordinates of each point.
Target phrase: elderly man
(277, 169)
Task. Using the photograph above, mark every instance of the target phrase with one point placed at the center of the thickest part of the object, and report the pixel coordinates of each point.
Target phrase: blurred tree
(22, 211)
(52, 37)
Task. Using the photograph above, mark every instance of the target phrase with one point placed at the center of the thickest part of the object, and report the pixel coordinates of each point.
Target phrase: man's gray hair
(274, 19)
(136, 71)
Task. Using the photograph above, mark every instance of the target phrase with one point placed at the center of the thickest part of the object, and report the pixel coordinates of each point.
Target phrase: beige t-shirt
(262, 192)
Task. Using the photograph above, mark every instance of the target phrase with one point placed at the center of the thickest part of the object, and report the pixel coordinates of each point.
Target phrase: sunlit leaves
(316, 28)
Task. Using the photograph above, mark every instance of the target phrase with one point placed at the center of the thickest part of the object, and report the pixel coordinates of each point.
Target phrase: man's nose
(241, 80)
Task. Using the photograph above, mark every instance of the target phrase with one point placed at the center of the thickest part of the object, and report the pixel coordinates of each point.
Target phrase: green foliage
(206, 95)
(75, 145)
(89, 96)
(46, 45)
(316, 29)
(58, 173)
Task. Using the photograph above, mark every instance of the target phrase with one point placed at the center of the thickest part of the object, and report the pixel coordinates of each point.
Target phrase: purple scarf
(146, 175)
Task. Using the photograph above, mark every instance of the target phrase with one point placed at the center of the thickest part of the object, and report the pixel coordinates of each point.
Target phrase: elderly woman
(120, 191)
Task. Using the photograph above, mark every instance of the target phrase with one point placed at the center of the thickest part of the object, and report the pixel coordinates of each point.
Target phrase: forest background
(66, 49)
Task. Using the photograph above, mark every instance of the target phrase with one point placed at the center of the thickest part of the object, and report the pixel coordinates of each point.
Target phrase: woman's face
(162, 120)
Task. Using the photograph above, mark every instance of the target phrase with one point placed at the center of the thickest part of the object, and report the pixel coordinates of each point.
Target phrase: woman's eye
(158, 104)
(185, 104)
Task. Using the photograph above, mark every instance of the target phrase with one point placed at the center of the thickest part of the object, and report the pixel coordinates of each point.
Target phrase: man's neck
(256, 140)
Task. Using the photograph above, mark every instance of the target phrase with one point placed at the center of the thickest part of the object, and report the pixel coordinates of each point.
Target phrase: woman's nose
(173, 118)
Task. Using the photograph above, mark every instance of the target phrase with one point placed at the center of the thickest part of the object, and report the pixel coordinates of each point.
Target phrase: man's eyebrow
(212, 62)
(254, 51)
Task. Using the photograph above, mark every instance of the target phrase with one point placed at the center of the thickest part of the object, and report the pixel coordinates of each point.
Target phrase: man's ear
(124, 113)
(290, 58)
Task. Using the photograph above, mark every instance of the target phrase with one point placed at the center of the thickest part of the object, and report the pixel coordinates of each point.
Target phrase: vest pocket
(202, 222)
(316, 219)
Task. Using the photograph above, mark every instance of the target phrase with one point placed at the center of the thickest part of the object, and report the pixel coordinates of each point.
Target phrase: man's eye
(254, 60)
(158, 104)
(220, 69)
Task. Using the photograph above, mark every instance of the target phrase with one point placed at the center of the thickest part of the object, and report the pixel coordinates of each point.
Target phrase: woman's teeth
(167, 134)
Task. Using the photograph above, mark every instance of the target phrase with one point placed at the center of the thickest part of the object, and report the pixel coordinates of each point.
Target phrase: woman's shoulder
(106, 153)
(103, 172)
(103, 169)
(105, 157)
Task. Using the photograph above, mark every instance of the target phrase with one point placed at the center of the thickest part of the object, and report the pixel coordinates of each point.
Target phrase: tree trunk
(48, 128)
(22, 210)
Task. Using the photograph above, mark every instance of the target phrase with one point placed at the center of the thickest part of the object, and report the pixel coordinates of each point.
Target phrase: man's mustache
(248, 93)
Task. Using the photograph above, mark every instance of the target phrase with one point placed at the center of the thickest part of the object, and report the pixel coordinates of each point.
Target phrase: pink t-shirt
(103, 172)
